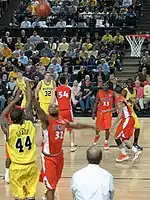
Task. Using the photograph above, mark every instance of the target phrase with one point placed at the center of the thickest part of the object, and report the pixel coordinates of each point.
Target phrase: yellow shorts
(23, 104)
(24, 180)
(137, 122)
(45, 107)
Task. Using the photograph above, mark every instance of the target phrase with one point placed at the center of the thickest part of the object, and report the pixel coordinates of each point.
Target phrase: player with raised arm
(52, 153)
(20, 137)
(103, 111)
(63, 95)
(45, 92)
(130, 94)
(125, 128)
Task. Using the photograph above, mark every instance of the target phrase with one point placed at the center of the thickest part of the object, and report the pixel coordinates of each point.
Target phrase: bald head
(94, 155)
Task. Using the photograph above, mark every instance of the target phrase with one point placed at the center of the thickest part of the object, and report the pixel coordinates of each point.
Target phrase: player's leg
(107, 124)
(107, 134)
(44, 106)
(99, 126)
(137, 133)
(70, 118)
(7, 165)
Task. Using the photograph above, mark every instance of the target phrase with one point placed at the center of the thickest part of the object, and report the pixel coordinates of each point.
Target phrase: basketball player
(8, 161)
(125, 128)
(103, 108)
(52, 154)
(130, 94)
(45, 91)
(20, 137)
(21, 85)
(63, 95)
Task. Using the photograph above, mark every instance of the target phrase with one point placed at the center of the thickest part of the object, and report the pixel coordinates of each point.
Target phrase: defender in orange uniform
(103, 108)
(52, 153)
(125, 128)
(63, 95)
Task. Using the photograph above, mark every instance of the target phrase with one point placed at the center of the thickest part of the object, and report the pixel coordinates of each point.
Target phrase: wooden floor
(132, 182)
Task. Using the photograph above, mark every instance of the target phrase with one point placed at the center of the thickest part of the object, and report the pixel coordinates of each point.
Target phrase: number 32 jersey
(53, 137)
(63, 94)
(21, 143)
(106, 100)
(45, 93)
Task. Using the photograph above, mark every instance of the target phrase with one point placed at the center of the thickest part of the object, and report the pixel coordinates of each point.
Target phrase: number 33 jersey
(45, 93)
(63, 94)
(21, 143)
(53, 137)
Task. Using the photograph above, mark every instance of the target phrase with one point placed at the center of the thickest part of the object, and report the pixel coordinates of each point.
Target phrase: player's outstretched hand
(93, 116)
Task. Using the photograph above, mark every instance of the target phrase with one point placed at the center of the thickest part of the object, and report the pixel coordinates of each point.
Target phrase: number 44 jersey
(21, 143)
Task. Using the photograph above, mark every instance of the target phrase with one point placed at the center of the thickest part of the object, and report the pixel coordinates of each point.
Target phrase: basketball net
(136, 42)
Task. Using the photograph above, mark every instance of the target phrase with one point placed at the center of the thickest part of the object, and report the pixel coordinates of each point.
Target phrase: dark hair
(62, 80)
(46, 73)
(16, 115)
(94, 155)
(130, 80)
(118, 89)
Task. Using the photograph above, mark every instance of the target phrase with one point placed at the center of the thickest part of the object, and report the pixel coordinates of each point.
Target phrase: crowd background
(85, 60)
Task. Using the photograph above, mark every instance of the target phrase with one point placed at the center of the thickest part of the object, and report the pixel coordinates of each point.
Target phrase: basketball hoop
(136, 42)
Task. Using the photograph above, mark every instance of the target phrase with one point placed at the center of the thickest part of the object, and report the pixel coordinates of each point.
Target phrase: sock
(7, 174)
(134, 149)
(106, 142)
(123, 151)
(72, 144)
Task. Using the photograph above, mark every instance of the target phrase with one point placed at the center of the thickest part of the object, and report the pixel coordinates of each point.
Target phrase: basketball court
(132, 182)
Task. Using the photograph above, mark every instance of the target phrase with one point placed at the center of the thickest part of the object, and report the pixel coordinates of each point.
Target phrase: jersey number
(63, 94)
(106, 103)
(20, 146)
(47, 93)
(59, 135)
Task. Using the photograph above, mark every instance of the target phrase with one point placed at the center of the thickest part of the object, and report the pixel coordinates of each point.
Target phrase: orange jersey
(106, 100)
(53, 137)
(63, 94)
(126, 110)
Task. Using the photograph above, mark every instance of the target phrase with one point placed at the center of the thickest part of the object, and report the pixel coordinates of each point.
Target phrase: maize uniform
(24, 175)
(22, 86)
(45, 95)
(133, 98)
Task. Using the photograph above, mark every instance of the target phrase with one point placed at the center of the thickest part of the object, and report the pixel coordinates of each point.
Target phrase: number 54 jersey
(21, 143)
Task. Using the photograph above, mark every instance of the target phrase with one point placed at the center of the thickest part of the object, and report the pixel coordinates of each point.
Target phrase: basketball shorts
(7, 154)
(23, 103)
(45, 107)
(68, 115)
(24, 180)
(125, 129)
(137, 122)
(104, 120)
(51, 170)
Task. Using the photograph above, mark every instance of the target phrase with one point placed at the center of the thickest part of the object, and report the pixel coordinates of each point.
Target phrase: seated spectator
(13, 59)
(41, 67)
(27, 72)
(112, 82)
(105, 68)
(118, 39)
(40, 45)
(85, 96)
(10, 87)
(23, 59)
(139, 95)
(54, 75)
(3, 72)
(3, 95)
(87, 45)
(99, 75)
(107, 38)
(36, 23)
(47, 51)
(13, 74)
(35, 58)
(35, 38)
(19, 44)
(142, 75)
(75, 93)
(56, 66)
(57, 57)
(26, 23)
(7, 53)
(74, 43)
(144, 65)
(126, 3)
(130, 17)
(3, 60)
(147, 94)
(23, 36)
(83, 53)
(9, 66)
(61, 23)
(93, 52)
(82, 73)
(52, 44)
(63, 46)
(10, 44)
(45, 61)
(29, 47)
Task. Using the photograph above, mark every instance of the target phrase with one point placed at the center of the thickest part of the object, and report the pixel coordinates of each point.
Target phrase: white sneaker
(43, 198)
(73, 149)
(136, 156)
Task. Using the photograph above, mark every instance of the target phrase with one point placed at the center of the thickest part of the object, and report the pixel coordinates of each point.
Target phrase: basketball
(43, 9)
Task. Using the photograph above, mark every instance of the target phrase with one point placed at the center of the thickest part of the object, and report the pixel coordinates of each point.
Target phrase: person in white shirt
(25, 23)
(92, 182)
(61, 24)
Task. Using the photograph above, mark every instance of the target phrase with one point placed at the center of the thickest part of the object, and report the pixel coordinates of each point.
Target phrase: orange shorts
(125, 129)
(68, 115)
(7, 154)
(51, 170)
(104, 120)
